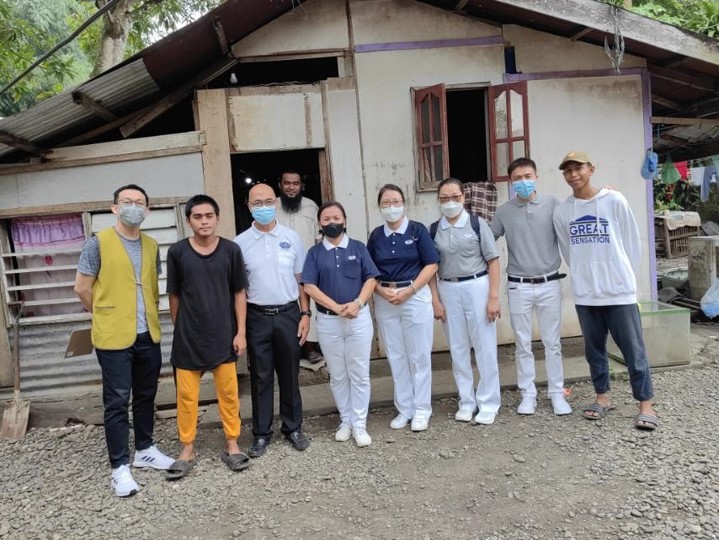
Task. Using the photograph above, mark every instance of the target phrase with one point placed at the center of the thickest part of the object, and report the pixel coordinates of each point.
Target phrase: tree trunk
(628, 4)
(113, 40)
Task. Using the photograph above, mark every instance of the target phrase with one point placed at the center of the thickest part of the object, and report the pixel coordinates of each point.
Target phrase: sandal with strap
(646, 422)
(600, 410)
(235, 462)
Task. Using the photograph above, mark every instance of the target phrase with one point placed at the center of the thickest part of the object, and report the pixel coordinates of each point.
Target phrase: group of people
(252, 295)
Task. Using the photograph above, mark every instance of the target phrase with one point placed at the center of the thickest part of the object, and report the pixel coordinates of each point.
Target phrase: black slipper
(235, 462)
(179, 469)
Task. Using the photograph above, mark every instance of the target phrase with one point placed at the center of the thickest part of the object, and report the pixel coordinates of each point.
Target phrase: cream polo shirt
(272, 261)
(304, 221)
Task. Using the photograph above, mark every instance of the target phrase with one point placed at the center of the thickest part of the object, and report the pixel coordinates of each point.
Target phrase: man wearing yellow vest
(117, 282)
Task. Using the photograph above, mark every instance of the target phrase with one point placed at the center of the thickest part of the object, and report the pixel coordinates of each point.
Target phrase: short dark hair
(389, 187)
(450, 180)
(196, 200)
(330, 204)
(521, 162)
(290, 171)
(130, 186)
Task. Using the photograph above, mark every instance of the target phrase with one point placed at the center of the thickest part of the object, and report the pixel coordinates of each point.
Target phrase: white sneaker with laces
(560, 405)
(152, 458)
(399, 422)
(343, 434)
(463, 415)
(361, 437)
(419, 424)
(528, 405)
(122, 482)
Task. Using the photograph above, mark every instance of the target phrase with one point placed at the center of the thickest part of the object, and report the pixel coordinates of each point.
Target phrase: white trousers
(407, 332)
(346, 345)
(467, 327)
(546, 300)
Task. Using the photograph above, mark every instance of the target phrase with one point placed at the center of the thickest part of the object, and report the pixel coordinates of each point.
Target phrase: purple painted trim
(649, 143)
(435, 44)
(516, 77)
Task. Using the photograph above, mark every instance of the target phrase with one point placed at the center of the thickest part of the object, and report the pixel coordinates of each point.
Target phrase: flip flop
(178, 469)
(235, 462)
(600, 410)
(646, 422)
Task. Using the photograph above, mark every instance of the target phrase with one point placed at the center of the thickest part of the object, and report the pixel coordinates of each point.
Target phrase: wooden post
(216, 163)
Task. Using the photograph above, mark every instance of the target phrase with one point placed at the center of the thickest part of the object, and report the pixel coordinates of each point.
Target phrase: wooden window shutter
(430, 108)
(508, 127)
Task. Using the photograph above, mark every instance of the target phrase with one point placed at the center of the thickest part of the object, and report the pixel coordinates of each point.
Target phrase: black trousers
(273, 346)
(133, 370)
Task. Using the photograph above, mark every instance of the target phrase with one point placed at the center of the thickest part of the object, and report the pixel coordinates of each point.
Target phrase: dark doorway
(304, 71)
(250, 169)
(467, 135)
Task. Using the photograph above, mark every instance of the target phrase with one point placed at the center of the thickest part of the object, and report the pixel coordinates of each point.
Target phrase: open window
(472, 133)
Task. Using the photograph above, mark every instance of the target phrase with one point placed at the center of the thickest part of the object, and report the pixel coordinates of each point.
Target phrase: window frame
(493, 94)
(419, 95)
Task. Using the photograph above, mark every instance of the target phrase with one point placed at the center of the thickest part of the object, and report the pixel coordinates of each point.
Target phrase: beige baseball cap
(578, 156)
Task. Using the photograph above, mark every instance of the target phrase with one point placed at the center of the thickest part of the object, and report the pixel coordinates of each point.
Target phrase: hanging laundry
(670, 174)
(709, 177)
(696, 174)
(683, 168)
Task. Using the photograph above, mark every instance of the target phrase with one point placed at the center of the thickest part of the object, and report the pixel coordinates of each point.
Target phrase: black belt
(535, 280)
(464, 278)
(325, 310)
(273, 310)
(395, 284)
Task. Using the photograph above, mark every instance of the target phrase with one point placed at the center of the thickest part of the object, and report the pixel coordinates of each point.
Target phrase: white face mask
(392, 213)
(451, 209)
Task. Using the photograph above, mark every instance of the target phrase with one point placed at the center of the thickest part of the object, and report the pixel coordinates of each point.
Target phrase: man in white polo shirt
(533, 283)
(276, 325)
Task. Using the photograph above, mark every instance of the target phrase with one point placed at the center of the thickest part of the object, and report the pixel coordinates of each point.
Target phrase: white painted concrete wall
(168, 176)
(537, 52)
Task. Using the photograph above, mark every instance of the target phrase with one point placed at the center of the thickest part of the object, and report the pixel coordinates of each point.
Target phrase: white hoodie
(599, 240)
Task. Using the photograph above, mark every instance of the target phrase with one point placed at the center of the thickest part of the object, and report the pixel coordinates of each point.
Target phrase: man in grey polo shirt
(533, 283)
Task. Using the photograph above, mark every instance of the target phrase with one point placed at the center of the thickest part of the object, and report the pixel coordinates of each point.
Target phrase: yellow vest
(114, 297)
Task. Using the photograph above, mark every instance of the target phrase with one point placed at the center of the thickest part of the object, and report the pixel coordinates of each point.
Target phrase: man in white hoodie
(599, 240)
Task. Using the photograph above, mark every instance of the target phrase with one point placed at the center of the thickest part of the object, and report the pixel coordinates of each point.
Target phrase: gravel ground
(521, 478)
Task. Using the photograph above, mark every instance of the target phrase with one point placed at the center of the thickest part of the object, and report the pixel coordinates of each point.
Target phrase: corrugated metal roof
(116, 90)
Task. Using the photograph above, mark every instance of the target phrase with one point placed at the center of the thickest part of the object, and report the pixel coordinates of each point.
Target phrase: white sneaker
(485, 418)
(400, 422)
(343, 434)
(361, 437)
(122, 482)
(419, 424)
(463, 415)
(528, 405)
(560, 405)
(152, 458)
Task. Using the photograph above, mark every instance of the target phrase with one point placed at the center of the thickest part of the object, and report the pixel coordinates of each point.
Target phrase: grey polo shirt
(459, 250)
(529, 232)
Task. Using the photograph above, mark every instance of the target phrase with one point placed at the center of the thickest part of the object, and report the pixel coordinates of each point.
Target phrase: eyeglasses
(447, 198)
(394, 202)
(127, 202)
(268, 203)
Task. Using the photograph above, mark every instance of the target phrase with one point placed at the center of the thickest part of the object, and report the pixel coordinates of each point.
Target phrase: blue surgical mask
(524, 188)
(264, 215)
(132, 215)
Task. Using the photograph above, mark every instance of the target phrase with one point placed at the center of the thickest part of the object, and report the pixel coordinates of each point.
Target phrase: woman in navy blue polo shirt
(407, 260)
(339, 276)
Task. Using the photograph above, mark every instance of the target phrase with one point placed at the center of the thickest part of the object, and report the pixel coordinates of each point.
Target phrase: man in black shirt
(206, 281)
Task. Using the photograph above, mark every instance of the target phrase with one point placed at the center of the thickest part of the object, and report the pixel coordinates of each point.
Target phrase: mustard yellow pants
(188, 397)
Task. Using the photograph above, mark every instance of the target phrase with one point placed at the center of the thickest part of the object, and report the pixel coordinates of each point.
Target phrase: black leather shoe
(298, 440)
(259, 446)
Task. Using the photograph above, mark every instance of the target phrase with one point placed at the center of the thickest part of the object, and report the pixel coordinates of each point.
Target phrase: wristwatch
(308, 313)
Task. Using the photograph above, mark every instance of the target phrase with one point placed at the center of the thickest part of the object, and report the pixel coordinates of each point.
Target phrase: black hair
(448, 181)
(389, 187)
(290, 171)
(330, 204)
(130, 186)
(196, 200)
(521, 162)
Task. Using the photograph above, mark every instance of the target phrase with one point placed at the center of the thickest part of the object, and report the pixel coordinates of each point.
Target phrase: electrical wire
(100, 12)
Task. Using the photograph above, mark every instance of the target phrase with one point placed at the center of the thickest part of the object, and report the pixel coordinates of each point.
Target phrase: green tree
(696, 15)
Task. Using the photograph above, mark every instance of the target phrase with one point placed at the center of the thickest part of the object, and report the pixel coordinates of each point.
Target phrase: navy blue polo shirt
(400, 255)
(339, 271)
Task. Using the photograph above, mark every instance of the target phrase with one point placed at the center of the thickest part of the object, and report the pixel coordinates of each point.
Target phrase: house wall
(167, 176)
